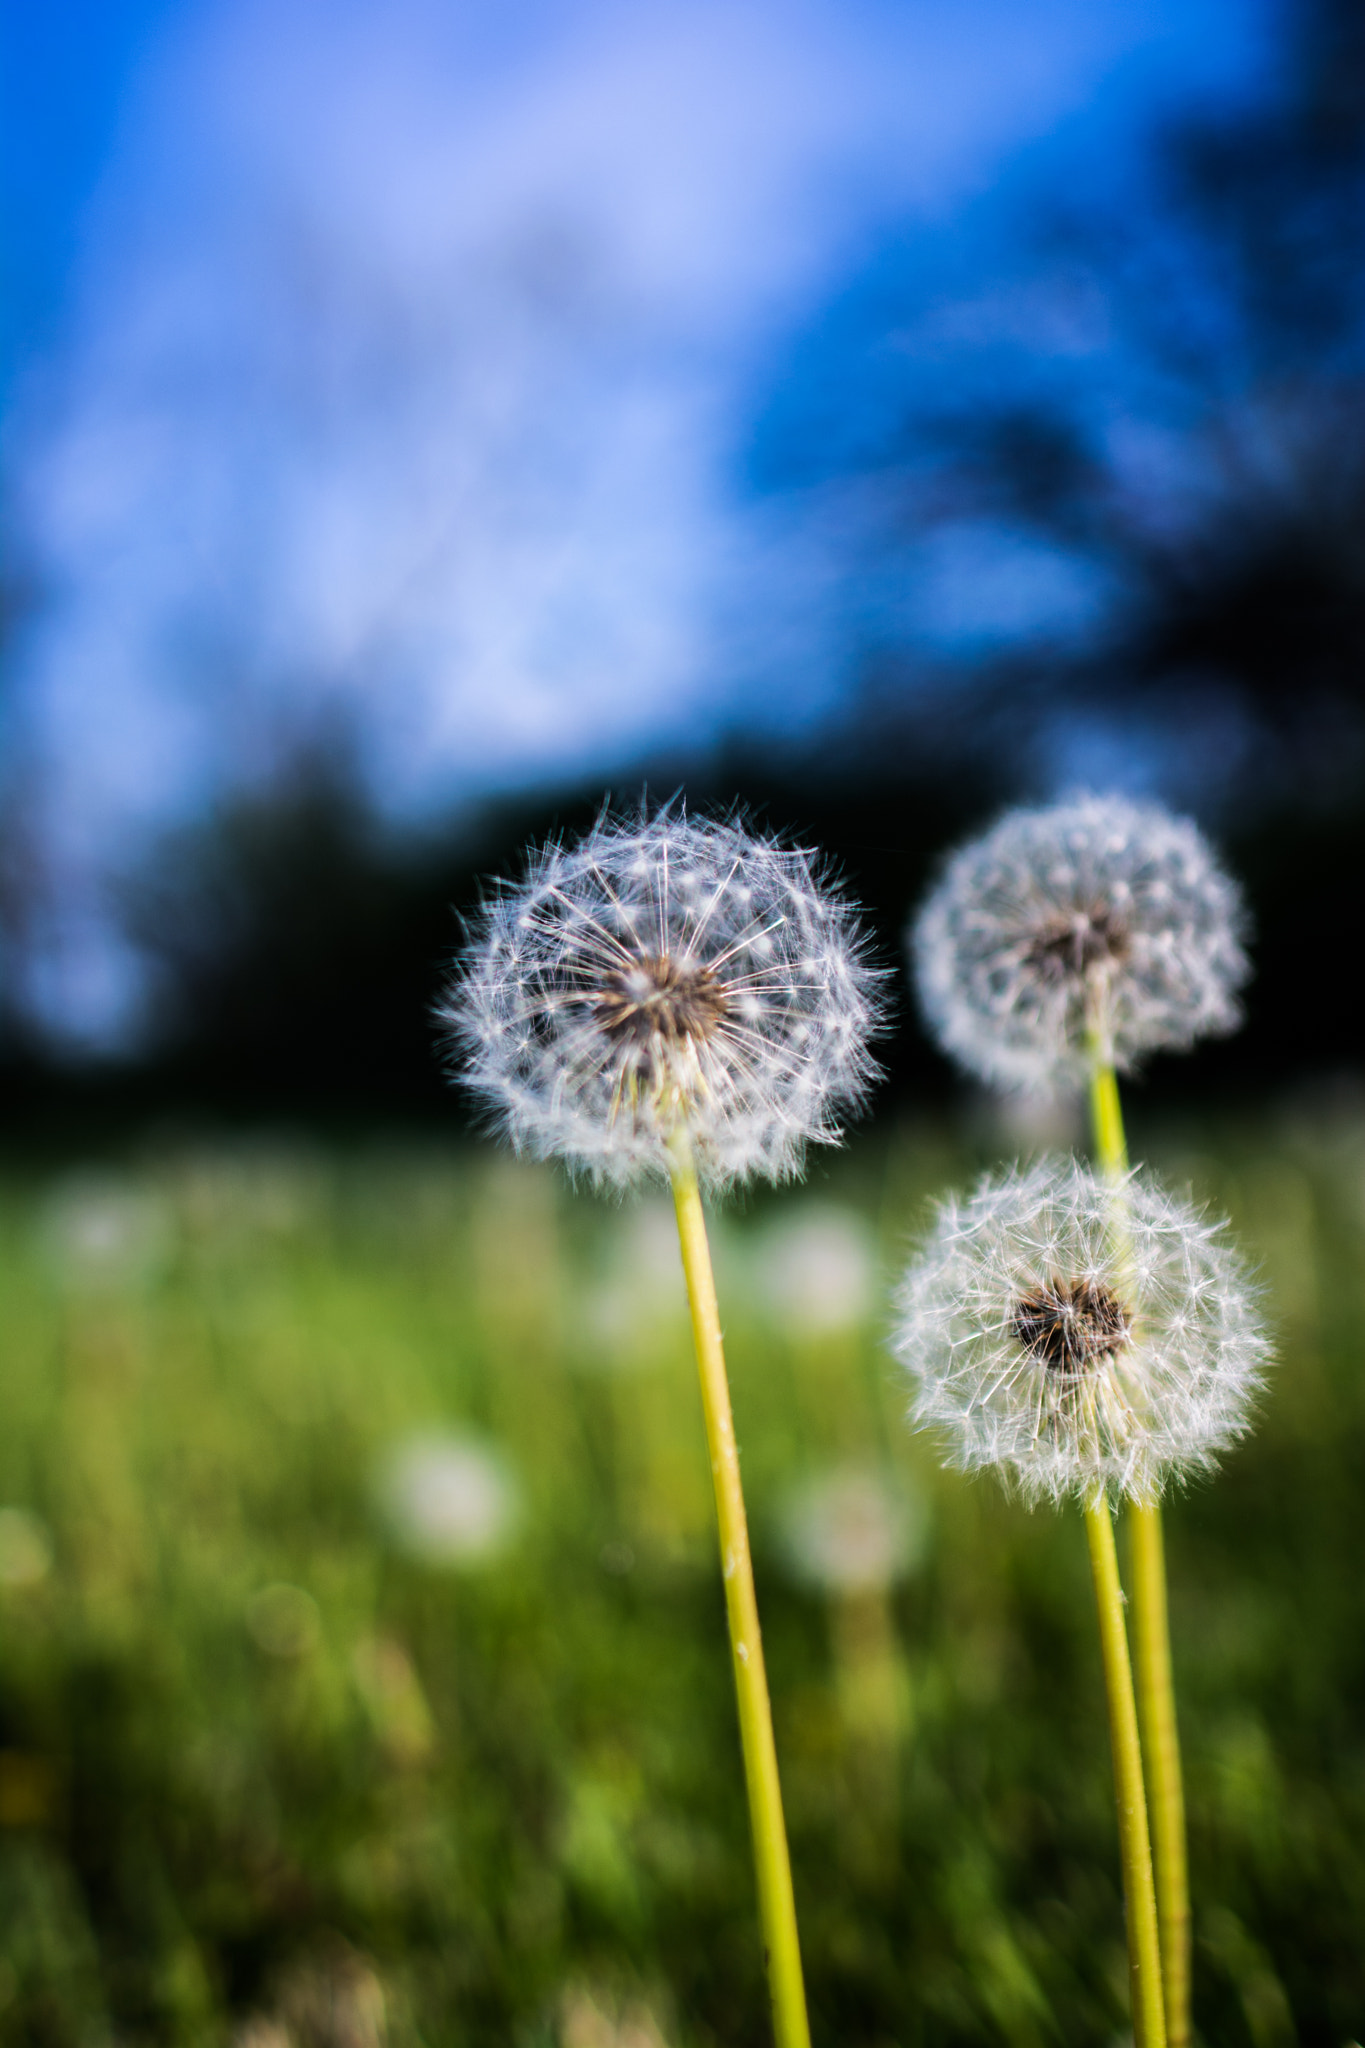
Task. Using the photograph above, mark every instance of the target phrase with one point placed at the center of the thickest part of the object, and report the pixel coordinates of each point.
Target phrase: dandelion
(1058, 949)
(666, 976)
(1095, 928)
(1073, 1357)
(1087, 1335)
(680, 1000)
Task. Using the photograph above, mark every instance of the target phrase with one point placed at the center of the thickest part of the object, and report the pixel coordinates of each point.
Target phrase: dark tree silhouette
(1203, 466)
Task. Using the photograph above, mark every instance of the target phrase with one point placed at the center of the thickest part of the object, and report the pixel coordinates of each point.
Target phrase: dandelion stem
(776, 1899)
(1135, 1849)
(1161, 1746)
(1106, 1119)
(1151, 1628)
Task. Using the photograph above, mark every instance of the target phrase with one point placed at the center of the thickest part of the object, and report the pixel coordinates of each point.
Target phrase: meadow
(306, 1741)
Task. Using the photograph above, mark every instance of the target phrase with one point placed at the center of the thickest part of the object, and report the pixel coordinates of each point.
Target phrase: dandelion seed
(1098, 928)
(666, 975)
(1074, 1356)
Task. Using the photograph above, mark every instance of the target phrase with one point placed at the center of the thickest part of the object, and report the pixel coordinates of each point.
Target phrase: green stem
(1161, 1747)
(1151, 1628)
(1135, 1849)
(1106, 1119)
(776, 1899)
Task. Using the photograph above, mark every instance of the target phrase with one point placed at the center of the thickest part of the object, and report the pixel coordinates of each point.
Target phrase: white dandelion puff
(1080, 1335)
(666, 976)
(1095, 928)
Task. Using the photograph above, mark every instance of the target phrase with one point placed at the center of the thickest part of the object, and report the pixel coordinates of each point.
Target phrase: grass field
(307, 1738)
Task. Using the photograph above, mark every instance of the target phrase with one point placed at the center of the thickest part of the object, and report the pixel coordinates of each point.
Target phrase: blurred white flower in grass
(817, 1270)
(852, 1530)
(1080, 1336)
(448, 1500)
(25, 1548)
(640, 1296)
(100, 1230)
(664, 978)
(1095, 928)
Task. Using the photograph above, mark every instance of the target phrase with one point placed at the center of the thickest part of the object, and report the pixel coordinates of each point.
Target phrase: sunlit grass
(269, 1770)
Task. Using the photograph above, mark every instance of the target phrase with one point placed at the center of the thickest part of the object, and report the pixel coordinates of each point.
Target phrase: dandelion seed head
(666, 974)
(1080, 1335)
(1097, 915)
(1071, 1325)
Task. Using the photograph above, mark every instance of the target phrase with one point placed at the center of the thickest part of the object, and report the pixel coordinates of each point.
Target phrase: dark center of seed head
(1070, 1325)
(1069, 947)
(657, 997)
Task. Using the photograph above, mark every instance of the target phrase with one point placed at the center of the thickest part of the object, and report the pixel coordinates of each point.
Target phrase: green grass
(503, 1804)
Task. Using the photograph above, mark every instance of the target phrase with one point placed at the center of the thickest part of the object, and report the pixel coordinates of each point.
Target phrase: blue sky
(406, 366)
(62, 83)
